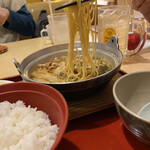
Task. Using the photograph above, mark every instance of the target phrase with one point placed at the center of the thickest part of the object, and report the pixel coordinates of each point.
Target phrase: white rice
(25, 128)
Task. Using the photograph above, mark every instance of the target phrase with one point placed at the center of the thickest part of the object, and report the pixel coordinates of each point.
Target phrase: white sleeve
(14, 5)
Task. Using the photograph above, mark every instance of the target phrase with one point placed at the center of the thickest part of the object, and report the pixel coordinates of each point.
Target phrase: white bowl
(132, 93)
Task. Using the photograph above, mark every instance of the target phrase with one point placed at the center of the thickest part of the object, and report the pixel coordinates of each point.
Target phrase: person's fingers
(4, 15)
(136, 4)
(2, 20)
(145, 10)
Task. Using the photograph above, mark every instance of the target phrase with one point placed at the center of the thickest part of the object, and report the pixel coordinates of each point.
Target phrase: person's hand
(142, 6)
(136, 4)
(4, 15)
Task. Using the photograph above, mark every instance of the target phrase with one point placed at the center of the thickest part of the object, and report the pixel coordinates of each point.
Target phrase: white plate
(5, 82)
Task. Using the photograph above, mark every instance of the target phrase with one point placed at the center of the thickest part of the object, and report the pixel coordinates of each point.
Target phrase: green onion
(101, 60)
(106, 68)
(74, 65)
(57, 75)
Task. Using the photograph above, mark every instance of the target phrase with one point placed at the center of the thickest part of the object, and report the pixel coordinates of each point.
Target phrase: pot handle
(17, 65)
(113, 42)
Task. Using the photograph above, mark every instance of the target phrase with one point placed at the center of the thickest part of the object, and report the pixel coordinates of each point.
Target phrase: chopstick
(70, 4)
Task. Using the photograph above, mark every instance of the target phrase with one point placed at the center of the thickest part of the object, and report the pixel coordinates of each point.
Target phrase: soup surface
(54, 72)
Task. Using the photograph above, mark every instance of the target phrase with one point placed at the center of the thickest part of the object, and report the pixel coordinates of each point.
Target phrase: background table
(138, 62)
(19, 50)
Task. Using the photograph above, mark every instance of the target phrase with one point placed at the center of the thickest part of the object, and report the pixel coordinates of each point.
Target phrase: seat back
(35, 9)
(33, 1)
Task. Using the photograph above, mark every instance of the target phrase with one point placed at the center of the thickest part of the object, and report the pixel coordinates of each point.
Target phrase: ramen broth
(52, 71)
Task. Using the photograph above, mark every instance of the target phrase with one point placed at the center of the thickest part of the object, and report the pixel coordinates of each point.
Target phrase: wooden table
(138, 62)
(19, 50)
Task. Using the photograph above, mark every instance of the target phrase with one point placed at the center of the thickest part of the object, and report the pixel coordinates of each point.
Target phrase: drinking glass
(59, 28)
(116, 20)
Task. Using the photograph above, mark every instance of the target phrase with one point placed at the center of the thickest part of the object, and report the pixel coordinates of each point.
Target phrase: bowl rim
(118, 101)
(55, 144)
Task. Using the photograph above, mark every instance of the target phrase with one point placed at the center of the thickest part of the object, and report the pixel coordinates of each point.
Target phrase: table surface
(138, 62)
(101, 130)
(21, 49)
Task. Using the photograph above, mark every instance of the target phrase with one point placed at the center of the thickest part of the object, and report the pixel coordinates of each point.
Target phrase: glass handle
(136, 36)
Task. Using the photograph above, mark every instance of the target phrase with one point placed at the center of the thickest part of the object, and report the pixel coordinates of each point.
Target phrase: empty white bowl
(132, 93)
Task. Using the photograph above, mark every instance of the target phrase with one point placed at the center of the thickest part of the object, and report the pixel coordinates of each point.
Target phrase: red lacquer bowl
(44, 97)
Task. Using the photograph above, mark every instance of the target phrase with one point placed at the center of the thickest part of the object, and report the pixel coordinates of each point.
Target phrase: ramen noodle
(78, 65)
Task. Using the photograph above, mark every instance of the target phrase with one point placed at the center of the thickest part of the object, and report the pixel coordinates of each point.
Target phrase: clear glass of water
(59, 28)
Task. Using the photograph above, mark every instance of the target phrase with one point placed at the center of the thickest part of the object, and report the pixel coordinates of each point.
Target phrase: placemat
(98, 101)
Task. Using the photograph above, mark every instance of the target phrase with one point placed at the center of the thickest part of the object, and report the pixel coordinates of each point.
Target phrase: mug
(116, 20)
(46, 33)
